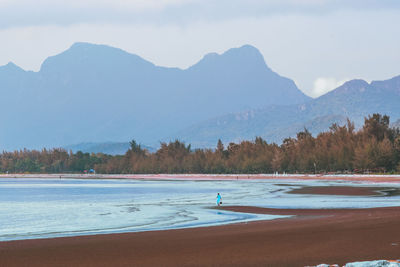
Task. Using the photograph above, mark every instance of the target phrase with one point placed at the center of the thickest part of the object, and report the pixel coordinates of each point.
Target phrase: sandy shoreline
(208, 177)
(312, 237)
(346, 191)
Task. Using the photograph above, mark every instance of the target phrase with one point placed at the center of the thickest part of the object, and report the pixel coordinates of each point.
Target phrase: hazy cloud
(17, 13)
(115, 4)
(323, 85)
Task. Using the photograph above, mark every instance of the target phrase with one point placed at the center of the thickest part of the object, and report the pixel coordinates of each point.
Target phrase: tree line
(373, 148)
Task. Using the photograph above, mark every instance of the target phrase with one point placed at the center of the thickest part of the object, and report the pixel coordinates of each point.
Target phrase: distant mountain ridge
(110, 148)
(355, 100)
(90, 94)
(97, 93)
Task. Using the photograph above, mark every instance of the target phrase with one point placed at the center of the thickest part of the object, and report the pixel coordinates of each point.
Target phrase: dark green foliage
(374, 148)
(378, 127)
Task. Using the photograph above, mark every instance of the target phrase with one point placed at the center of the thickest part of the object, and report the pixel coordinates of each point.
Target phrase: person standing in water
(219, 202)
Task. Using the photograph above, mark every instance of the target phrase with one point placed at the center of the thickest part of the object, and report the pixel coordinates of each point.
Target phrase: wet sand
(311, 237)
(346, 191)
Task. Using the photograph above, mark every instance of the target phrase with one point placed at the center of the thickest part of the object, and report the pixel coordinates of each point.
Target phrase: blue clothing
(219, 199)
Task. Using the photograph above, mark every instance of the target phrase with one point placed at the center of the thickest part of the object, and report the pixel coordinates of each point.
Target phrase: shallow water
(41, 208)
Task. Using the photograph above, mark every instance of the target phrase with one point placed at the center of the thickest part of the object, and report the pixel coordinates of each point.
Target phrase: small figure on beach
(219, 202)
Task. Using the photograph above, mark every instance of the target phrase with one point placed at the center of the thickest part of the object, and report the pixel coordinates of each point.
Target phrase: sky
(319, 44)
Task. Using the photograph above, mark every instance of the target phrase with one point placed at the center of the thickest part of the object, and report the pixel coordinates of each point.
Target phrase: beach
(310, 238)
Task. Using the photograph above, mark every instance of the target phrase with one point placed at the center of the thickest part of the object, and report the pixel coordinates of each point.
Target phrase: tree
(136, 148)
(220, 146)
(377, 126)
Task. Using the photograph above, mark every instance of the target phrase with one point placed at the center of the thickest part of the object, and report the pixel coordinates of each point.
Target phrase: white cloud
(25, 13)
(323, 85)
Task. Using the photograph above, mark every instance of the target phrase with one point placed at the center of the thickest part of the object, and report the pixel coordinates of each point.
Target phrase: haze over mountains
(96, 93)
(110, 148)
(355, 99)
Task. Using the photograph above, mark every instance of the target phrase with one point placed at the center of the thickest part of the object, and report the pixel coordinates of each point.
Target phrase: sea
(45, 208)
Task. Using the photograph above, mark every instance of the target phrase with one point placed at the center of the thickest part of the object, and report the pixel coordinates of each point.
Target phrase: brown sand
(312, 237)
(344, 190)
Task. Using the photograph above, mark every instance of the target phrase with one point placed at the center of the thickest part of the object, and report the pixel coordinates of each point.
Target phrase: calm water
(41, 208)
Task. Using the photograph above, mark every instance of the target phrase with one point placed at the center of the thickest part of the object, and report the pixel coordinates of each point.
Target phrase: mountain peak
(82, 44)
(246, 55)
(246, 51)
(85, 45)
(247, 48)
(91, 56)
(356, 85)
(10, 66)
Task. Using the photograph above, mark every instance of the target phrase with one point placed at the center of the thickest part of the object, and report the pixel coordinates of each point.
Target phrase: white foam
(377, 263)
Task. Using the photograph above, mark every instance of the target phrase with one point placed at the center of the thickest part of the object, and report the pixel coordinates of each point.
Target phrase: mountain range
(97, 94)
(356, 99)
(110, 148)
